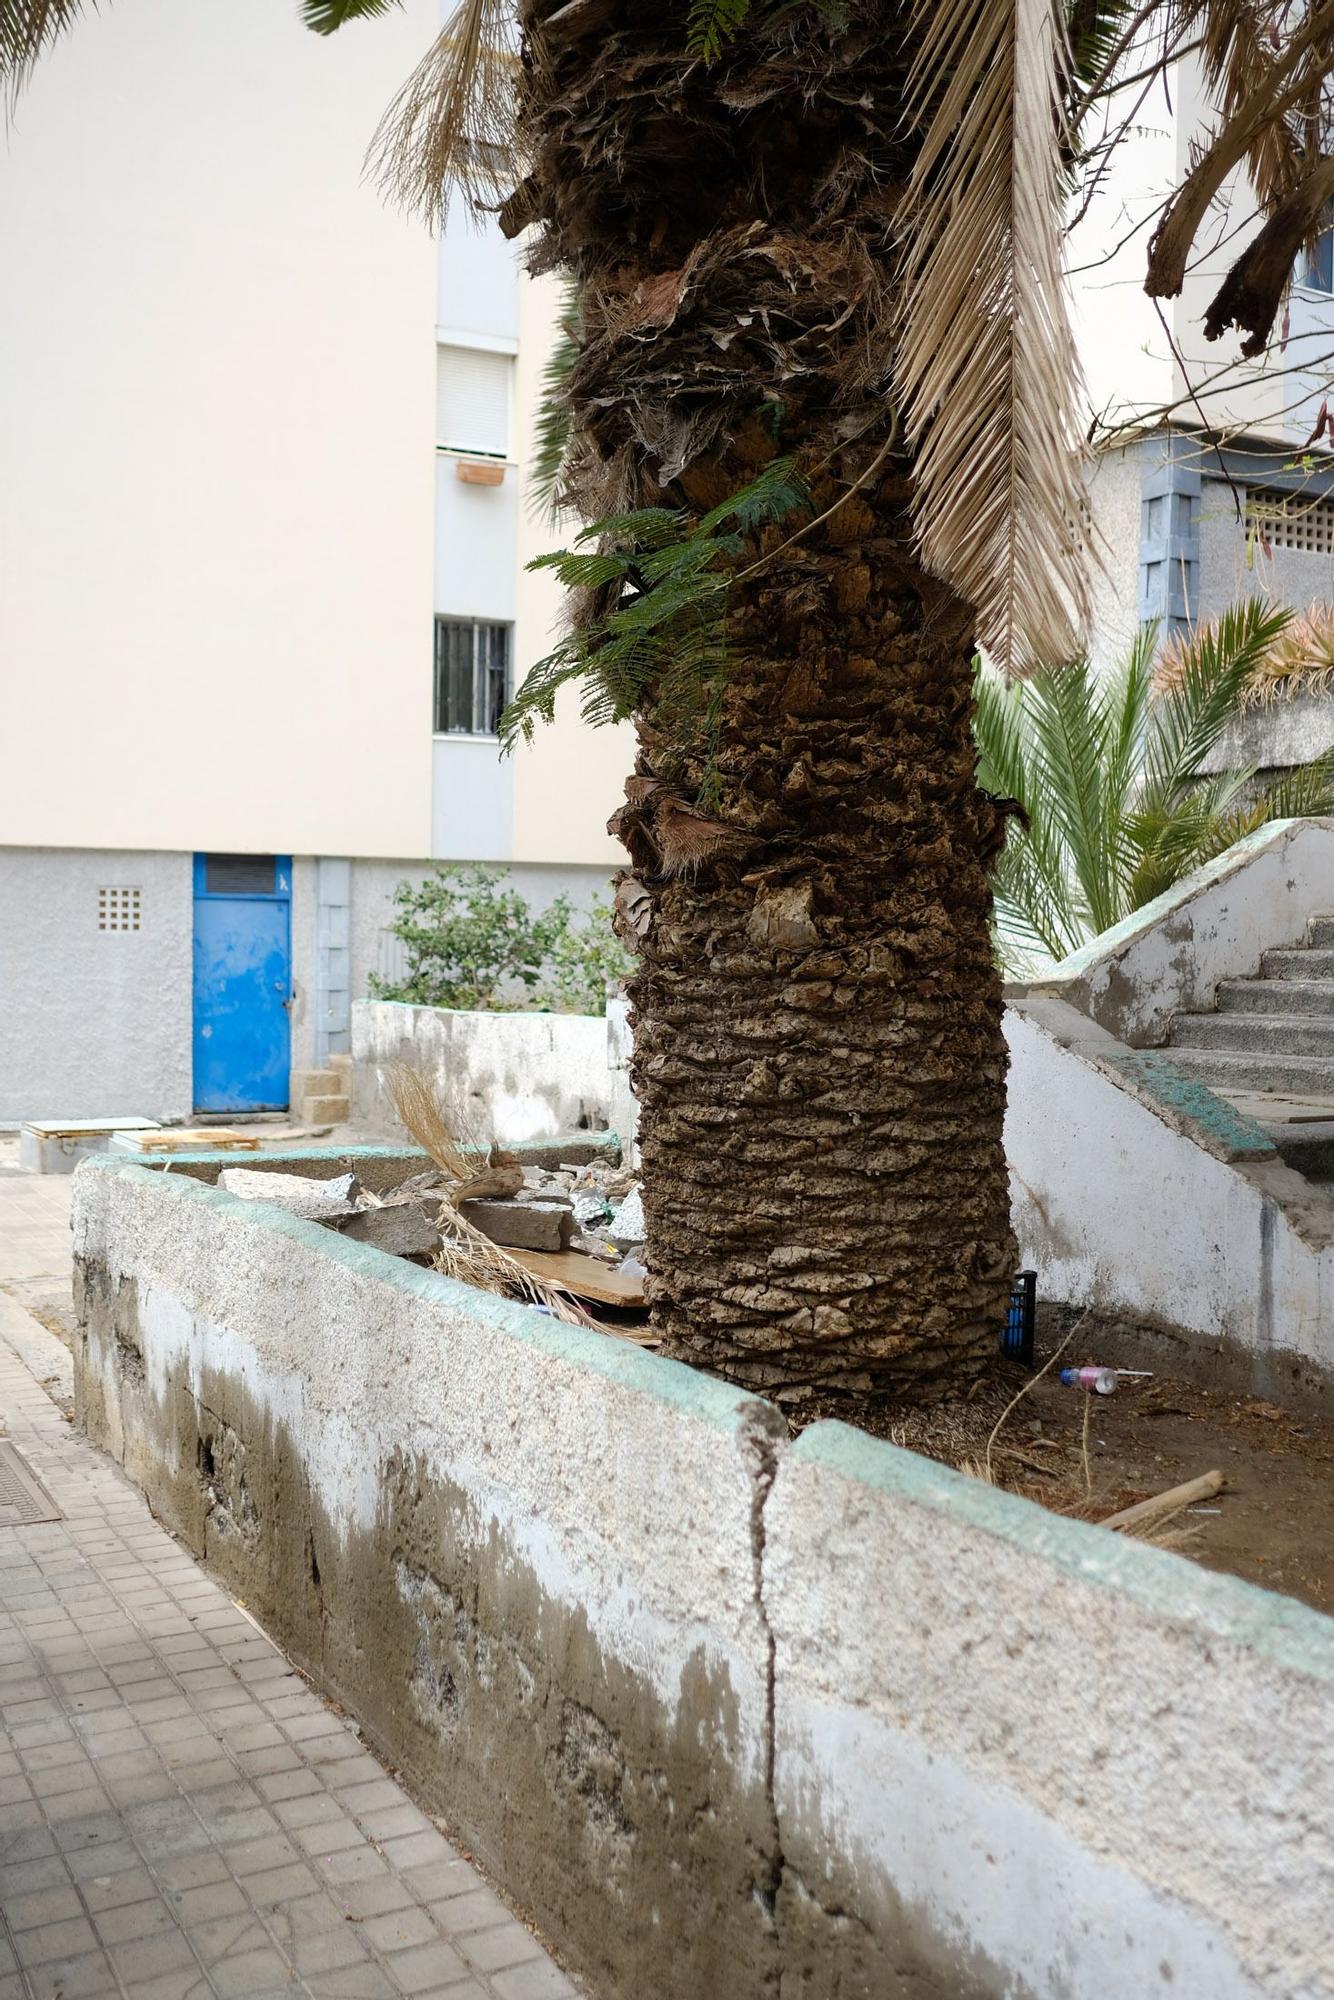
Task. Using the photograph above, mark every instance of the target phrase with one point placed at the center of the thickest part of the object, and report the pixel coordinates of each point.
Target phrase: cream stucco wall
(569, 779)
(217, 382)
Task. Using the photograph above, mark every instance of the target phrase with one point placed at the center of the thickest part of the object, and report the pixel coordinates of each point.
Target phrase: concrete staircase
(1269, 1046)
(323, 1096)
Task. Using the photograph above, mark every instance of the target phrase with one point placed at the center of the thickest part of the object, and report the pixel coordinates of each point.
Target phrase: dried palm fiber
(465, 1253)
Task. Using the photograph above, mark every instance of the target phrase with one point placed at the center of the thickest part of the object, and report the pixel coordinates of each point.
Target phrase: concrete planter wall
(511, 1076)
(724, 1714)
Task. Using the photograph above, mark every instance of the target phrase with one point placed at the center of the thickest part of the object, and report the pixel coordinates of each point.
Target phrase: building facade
(1207, 484)
(263, 531)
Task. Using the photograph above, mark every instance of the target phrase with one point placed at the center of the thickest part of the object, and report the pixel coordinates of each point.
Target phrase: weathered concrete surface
(1074, 1766)
(741, 1717)
(380, 1167)
(523, 1554)
(508, 1076)
(1216, 924)
(1142, 1195)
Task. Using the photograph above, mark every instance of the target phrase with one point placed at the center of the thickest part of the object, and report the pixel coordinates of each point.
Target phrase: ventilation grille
(1291, 521)
(118, 909)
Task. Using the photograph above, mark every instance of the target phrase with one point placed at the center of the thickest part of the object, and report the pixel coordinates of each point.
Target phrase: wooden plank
(583, 1276)
(222, 1140)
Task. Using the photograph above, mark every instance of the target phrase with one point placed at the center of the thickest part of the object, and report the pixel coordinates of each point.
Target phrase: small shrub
(583, 956)
(472, 942)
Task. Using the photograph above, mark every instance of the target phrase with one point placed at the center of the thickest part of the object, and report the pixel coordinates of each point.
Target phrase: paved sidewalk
(35, 1240)
(180, 1815)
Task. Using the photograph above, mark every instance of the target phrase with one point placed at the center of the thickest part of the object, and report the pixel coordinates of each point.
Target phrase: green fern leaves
(712, 25)
(653, 587)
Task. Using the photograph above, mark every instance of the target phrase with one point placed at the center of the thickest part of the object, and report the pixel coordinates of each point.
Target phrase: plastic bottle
(1100, 1380)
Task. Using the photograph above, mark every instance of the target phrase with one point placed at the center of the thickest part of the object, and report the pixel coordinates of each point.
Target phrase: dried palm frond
(452, 124)
(419, 1109)
(1291, 77)
(987, 367)
(1239, 38)
(465, 1253)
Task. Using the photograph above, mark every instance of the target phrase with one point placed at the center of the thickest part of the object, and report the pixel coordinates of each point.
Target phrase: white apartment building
(1204, 489)
(262, 544)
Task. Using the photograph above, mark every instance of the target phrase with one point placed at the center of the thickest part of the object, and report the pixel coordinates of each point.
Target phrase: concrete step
(1272, 1035)
(1297, 963)
(1228, 1070)
(1320, 931)
(1276, 996)
(341, 1062)
(325, 1108)
(1308, 1148)
(313, 1082)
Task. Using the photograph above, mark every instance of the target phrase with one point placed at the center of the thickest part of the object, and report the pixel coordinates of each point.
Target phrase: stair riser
(1277, 996)
(1294, 1077)
(1297, 965)
(1271, 1036)
(1320, 931)
(1312, 1157)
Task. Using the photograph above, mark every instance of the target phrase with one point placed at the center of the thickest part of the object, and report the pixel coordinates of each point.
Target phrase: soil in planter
(1272, 1524)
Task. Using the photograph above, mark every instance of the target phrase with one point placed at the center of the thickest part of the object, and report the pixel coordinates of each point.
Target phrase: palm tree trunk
(817, 1011)
(818, 1052)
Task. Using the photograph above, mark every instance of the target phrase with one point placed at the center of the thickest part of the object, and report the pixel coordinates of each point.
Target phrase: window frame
(483, 699)
(1317, 272)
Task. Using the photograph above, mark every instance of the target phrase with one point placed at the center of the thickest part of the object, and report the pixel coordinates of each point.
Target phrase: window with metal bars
(472, 676)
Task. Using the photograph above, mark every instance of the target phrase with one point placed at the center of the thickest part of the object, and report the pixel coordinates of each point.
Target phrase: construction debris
(315, 1200)
(399, 1228)
(627, 1225)
(523, 1222)
(584, 1277)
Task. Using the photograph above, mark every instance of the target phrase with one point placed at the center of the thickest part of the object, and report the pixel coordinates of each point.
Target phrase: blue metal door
(242, 981)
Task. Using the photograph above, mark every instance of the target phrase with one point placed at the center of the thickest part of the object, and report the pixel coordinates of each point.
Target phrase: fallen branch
(1163, 1505)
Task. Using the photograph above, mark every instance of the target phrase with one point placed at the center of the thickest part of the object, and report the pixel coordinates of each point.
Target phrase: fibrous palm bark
(818, 1049)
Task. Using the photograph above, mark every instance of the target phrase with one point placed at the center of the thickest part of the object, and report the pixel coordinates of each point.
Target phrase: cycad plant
(1114, 805)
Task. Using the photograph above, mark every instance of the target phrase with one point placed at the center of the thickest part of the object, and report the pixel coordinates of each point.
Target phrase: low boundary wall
(509, 1075)
(722, 1713)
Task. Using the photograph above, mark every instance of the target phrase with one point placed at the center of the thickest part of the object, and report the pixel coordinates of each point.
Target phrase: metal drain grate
(23, 1498)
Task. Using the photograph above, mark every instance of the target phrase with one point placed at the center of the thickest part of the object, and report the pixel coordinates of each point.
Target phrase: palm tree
(822, 422)
(1115, 806)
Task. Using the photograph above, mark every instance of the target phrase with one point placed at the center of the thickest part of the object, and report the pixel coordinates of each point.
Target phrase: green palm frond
(327, 16)
(551, 429)
(27, 30)
(1109, 774)
(1201, 691)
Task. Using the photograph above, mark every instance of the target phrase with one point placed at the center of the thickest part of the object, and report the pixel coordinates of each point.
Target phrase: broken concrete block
(299, 1194)
(400, 1228)
(627, 1225)
(531, 1222)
